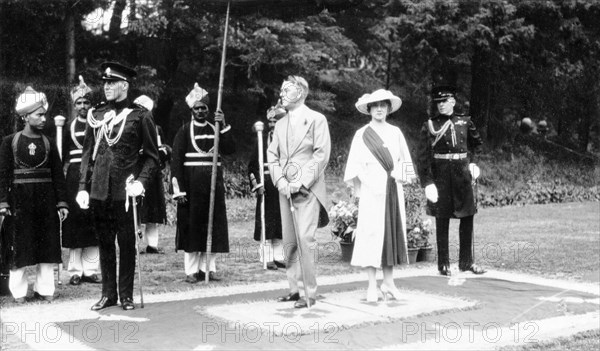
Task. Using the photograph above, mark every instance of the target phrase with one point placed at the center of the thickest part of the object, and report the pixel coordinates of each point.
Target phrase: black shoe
(75, 280)
(279, 264)
(272, 266)
(192, 278)
(45, 298)
(475, 269)
(94, 279)
(153, 250)
(302, 303)
(445, 270)
(103, 303)
(211, 277)
(289, 297)
(127, 304)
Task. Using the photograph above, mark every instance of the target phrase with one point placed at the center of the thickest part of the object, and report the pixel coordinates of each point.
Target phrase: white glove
(431, 193)
(83, 199)
(284, 187)
(134, 188)
(396, 174)
(474, 170)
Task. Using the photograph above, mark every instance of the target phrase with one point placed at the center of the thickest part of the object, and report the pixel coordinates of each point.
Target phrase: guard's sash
(394, 243)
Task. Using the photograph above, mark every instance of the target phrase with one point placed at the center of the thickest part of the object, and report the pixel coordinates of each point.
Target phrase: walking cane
(213, 179)
(138, 238)
(59, 122)
(258, 128)
(299, 246)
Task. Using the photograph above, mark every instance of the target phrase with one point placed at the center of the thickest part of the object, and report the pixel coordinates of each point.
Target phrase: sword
(138, 233)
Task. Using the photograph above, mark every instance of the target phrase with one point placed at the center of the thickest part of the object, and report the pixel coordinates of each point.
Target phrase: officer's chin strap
(440, 133)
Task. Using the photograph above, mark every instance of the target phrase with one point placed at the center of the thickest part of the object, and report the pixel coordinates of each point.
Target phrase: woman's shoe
(393, 292)
(372, 295)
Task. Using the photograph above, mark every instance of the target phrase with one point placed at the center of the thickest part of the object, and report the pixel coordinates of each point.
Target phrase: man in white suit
(298, 155)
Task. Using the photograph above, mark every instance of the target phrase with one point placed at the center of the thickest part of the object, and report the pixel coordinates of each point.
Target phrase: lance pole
(213, 179)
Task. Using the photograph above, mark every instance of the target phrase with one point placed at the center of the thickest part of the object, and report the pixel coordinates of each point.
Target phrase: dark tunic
(193, 171)
(451, 177)
(154, 209)
(272, 212)
(113, 164)
(33, 187)
(78, 231)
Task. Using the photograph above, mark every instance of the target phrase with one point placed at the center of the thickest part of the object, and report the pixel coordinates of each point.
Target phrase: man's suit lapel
(300, 134)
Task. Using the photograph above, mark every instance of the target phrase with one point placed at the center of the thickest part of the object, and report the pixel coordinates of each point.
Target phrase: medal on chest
(32, 148)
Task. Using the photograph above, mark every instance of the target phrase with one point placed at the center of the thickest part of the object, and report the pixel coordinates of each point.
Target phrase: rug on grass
(332, 311)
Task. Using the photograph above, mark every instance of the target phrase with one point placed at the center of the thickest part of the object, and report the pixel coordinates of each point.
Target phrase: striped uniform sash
(196, 159)
(32, 175)
(75, 155)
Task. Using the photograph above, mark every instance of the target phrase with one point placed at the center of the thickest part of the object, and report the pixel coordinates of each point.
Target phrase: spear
(213, 179)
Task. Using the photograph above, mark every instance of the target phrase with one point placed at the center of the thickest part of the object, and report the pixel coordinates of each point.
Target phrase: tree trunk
(114, 29)
(70, 52)
(480, 91)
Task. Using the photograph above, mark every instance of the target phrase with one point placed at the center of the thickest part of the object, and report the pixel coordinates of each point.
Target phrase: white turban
(30, 101)
(80, 91)
(197, 94)
(145, 102)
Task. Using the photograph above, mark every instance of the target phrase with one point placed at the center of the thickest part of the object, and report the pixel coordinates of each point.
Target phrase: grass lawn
(557, 240)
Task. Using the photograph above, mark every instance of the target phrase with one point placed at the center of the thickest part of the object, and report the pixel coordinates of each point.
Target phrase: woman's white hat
(378, 95)
(30, 101)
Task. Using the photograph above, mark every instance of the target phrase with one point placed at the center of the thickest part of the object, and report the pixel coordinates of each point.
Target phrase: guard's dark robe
(193, 171)
(154, 209)
(33, 187)
(451, 177)
(272, 212)
(78, 230)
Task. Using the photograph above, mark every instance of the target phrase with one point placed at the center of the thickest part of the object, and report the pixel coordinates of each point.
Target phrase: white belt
(455, 156)
(199, 163)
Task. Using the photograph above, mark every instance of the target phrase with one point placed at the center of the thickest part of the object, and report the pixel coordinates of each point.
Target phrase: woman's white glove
(474, 170)
(431, 193)
(83, 199)
(397, 175)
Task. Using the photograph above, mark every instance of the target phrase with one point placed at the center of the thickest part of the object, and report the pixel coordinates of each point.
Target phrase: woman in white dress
(378, 162)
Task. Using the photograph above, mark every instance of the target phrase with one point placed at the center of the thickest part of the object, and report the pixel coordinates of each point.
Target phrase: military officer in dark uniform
(116, 133)
(447, 142)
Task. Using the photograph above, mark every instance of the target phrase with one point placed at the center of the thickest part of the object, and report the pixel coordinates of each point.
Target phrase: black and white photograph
(300, 174)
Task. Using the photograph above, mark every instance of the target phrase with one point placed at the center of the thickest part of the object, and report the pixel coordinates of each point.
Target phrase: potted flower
(413, 235)
(343, 216)
(425, 247)
(417, 231)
